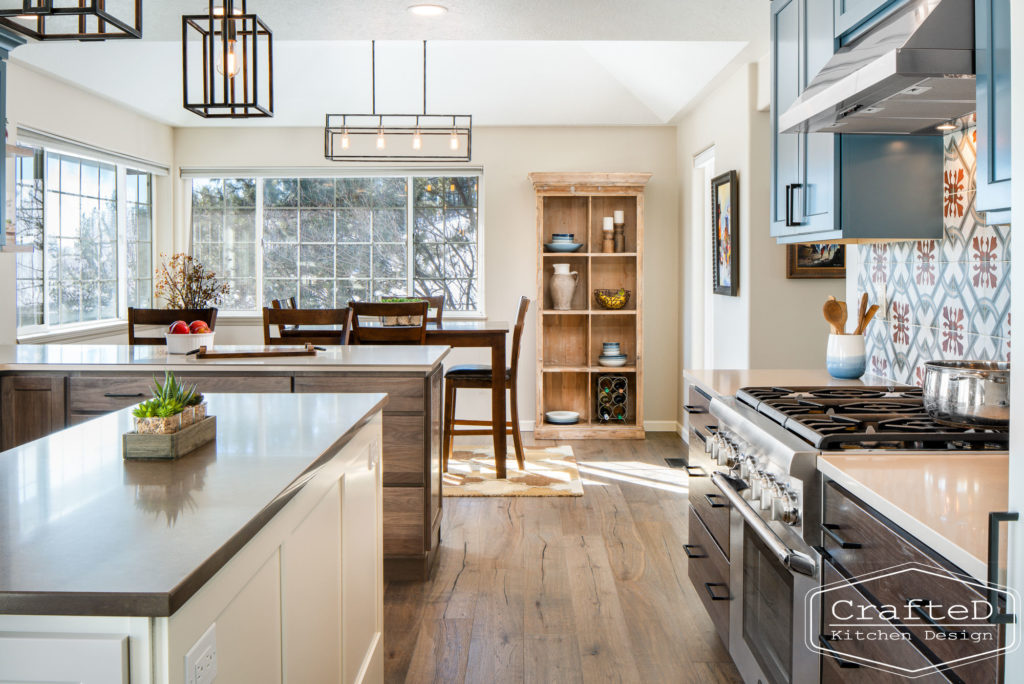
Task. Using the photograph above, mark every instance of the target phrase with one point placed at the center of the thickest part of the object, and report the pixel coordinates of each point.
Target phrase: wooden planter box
(169, 447)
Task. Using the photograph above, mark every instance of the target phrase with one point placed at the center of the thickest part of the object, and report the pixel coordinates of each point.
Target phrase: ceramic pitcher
(562, 287)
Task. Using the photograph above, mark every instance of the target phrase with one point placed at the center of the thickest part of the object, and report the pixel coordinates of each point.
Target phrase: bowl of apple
(183, 337)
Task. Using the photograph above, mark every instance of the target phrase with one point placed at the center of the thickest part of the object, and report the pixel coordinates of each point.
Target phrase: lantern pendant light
(398, 137)
(227, 63)
(83, 20)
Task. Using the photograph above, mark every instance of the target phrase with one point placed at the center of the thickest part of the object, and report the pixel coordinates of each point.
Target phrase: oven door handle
(791, 558)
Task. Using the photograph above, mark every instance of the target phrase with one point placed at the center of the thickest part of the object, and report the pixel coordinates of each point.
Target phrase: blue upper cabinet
(836, 187)
(853, 17)
(8, 41)
(992, 64)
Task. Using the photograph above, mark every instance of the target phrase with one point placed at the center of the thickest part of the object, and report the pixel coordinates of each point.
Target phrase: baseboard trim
(661, 426)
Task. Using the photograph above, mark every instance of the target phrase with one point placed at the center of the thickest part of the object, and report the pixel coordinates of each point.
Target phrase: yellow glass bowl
(612, 299)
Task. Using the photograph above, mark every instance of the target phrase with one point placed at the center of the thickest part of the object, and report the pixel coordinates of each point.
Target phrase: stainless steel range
(766, 449)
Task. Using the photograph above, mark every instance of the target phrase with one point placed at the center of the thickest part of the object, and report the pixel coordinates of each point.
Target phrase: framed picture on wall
(816, 260)
(725, 233)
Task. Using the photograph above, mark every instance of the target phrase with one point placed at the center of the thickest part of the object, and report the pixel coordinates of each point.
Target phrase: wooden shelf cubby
(570, 342)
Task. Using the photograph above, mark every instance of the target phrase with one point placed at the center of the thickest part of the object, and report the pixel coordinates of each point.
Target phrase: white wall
(774, 322)
(47, 104)
(510, 257)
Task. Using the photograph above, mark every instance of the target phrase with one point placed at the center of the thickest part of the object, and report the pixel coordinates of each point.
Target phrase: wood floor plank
(562, 589)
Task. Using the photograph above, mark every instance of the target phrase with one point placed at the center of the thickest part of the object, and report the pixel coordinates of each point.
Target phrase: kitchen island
(45, 388)
(265, 543)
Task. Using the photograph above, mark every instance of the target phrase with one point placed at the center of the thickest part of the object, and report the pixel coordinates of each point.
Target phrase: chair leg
(517, 439)
(449, 423)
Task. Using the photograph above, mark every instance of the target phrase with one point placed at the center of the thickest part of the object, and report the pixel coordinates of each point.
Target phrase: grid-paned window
(327, 241)
(81, 216)
(139, 198)
(224, 235)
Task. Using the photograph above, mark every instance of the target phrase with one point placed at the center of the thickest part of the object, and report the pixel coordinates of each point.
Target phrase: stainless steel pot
(968, 393)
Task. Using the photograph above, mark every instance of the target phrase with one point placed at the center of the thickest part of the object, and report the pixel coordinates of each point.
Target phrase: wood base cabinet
(31, 407)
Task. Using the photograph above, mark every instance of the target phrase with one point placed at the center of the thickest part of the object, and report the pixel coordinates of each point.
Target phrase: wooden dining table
(484, 333)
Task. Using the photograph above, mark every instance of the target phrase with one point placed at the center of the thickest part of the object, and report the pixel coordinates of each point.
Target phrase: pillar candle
(620, 217)
(608, 223)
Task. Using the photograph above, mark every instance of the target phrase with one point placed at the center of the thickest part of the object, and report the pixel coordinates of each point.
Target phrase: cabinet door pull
(789, 203)
(827, 647)
(710, 587)
(994, 519)
(691, 554)
(915, 606)
(690, 469)
(694, 409)
(115, 395)
(829, 530)
(711, 501)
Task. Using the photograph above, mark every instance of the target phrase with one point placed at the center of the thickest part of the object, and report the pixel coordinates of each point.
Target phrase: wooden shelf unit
(569, 342)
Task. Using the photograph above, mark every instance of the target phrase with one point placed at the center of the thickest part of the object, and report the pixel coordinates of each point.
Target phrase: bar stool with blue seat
(478, 376)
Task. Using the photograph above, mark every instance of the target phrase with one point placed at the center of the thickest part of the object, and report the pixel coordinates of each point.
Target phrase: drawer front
(404, 394)
(915, 596)
(708, 570)
(102, 394)
(712, 507)
(404, 449)
(404, 527)
(890, 647)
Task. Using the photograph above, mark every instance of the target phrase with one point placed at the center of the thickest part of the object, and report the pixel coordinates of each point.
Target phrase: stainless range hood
(912, 72)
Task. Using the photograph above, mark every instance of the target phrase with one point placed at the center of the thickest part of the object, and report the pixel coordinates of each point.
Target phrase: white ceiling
(506, 62)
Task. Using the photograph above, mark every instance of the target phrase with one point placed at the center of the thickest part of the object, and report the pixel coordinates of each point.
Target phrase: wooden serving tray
(269, 352)
(169, 447)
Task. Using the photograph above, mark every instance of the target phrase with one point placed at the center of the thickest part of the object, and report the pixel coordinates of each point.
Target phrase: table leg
(498, 404)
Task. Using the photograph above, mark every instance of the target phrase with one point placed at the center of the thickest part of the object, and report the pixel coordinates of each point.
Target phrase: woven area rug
(549, 472)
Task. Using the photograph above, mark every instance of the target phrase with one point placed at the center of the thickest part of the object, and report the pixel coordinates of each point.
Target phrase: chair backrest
(164, 317)
(436, 303)
(400, 322)
(517, 333)
(286, 304)
(288, 322)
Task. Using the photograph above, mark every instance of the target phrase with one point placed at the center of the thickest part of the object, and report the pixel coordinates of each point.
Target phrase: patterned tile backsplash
(941, 299)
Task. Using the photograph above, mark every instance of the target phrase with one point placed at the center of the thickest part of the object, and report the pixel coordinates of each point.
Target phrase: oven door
(774, 571)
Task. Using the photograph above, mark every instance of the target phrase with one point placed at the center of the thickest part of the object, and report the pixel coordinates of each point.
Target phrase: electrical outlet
(201, 659)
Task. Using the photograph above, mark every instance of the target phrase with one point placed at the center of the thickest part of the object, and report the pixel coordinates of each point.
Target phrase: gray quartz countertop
(70, 357)
(83, 532)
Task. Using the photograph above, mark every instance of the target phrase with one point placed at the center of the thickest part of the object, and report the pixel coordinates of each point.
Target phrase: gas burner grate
(865, 418)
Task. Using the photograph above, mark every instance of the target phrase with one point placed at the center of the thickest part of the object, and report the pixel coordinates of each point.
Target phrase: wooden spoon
(842, 322)
(835, 315)
(867, 319)
(861, 313)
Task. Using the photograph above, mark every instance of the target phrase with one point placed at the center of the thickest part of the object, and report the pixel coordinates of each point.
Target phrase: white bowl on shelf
(612, 361)
(183, 344)
(562, 417)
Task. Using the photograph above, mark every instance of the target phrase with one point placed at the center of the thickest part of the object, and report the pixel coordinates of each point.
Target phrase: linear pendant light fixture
(398, 137)
(73, 19)
(227, 63)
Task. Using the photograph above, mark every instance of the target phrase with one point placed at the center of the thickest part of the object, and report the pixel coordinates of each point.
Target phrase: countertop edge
(165, 604)
(926, 534)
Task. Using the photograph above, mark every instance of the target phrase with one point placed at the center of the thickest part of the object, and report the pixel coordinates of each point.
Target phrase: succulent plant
(169, 399)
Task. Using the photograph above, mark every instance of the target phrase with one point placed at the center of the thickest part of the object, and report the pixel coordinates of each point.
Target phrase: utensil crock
(845, 357)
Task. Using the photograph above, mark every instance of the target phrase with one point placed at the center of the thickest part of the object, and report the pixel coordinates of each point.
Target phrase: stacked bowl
(611, 355)
(563, 242)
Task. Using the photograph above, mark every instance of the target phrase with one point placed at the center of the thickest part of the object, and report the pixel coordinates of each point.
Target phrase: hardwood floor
(561, 590)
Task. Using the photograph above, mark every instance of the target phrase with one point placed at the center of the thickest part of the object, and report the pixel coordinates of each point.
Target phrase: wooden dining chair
(164, 317)
(285, 304)
(289, 323)
(379, 332)
(478, 376)
(436, 304)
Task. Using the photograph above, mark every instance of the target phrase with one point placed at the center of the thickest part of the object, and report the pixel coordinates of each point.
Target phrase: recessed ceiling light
(425, 10)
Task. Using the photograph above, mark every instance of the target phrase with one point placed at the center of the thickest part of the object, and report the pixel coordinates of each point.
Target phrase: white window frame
(188, 174)
(121, 166)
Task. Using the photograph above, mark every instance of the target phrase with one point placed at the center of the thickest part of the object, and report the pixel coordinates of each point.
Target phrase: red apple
(198, 327)
(178, 328)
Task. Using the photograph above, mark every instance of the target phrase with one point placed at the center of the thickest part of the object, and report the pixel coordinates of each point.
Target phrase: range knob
(786, 507)
(756, 485)
(770, 490)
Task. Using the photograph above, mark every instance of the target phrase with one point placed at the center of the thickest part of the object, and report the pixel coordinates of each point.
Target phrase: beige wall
(47, 104)
(774, 322)
(507, 155)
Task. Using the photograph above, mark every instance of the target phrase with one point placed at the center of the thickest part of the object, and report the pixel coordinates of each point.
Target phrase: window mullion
(121, 219)
(409, 225)
(258, 233)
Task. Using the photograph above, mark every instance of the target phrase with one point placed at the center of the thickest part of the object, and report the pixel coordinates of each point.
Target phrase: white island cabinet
(258, 558)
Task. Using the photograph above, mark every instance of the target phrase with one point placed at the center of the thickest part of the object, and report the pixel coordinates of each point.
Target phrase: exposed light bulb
(234, 64)
(453, 142)
(417, 140)
(345, 142)
(381, 142)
